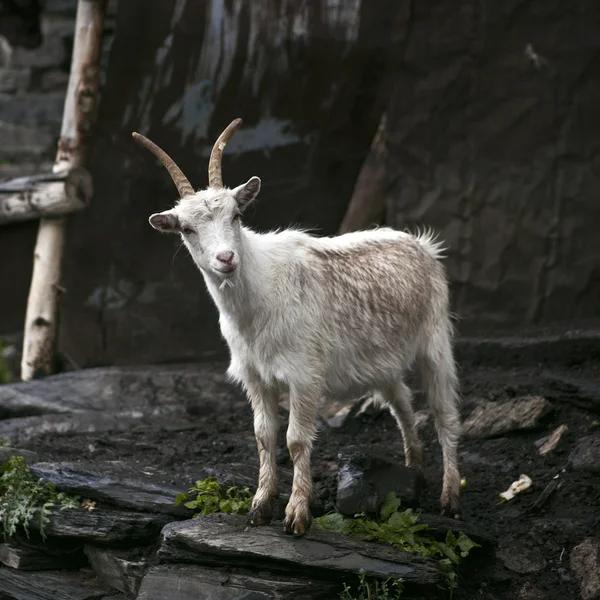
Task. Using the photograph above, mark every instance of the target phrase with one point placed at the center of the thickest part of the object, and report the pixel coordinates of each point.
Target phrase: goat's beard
(226, 283)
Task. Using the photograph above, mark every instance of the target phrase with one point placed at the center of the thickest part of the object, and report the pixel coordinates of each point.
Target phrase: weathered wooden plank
(44, 196)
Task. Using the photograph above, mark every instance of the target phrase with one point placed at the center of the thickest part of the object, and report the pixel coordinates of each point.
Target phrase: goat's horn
(184, 187)
(215, 177)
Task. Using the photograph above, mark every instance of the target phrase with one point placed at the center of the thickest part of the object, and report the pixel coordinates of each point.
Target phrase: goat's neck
(241, 297)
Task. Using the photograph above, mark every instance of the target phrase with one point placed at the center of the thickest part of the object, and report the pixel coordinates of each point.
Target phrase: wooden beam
(39, 344)
(43, 196)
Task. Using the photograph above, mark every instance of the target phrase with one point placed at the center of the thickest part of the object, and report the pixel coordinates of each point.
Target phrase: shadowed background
(489, 136)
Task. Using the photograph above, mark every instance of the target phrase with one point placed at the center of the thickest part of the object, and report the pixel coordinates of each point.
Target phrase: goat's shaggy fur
(321, 318)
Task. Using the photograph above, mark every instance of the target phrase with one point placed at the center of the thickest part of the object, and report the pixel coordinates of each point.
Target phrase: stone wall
(491, 133)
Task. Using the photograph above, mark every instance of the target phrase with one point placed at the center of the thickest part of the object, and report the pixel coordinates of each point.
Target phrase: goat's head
(209, 220)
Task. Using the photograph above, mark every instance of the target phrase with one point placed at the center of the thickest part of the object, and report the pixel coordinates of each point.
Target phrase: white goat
(319, 318)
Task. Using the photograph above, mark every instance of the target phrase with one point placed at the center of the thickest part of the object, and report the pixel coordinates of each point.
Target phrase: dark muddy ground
(490, 466)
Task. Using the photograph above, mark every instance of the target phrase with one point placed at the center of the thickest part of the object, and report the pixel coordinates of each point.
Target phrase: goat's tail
(429, 240)
(439, 382)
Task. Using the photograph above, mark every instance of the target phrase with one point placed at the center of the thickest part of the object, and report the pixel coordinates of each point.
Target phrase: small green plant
(210, 497)
(24, 498)
(390, 589)
(402, 530)
(4, 442)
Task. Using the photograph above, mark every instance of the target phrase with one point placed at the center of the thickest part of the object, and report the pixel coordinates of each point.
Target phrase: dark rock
(182, 582)
(37, 555)
(319, 554)
(121, 569)
(364, 480)
(586, 455)
(114, 482)
(530, 592)
(585, 564)
(438, 526)
(522, 559)
(175, 418)
(104, 525)
(7, 452)
(118, 389)
(52, 585)
(491, 419)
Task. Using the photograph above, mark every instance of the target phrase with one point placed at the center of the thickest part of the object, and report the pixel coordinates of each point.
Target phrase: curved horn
(184, 187)
(215, 178)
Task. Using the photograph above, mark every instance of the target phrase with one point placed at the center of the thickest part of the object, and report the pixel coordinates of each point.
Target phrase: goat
(319, 317)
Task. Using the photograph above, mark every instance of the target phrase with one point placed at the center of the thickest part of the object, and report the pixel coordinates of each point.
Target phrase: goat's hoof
(297, 524)
(452, 511)
(262, 514)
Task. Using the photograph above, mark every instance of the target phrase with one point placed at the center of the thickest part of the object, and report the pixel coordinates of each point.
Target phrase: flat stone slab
(216, 539)
(491, 419)
(29, 555)
(6, 453)
(118, 388)
(104, 525)
(121, 569)
(52, 585)
(91, 421)
(183, 582)
(114, 482)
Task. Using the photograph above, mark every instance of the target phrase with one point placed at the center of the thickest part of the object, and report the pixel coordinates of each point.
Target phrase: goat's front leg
(300, 435)
(264, 406)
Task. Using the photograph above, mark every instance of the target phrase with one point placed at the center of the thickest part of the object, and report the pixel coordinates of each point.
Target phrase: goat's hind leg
(264, 406)
(440, 384)
(399, 400)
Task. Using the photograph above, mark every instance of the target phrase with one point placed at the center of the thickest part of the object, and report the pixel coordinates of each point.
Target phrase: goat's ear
(166, 221)
(244, 194)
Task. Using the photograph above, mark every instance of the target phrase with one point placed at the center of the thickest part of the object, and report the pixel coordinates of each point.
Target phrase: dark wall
(309, 81)
(494, 135)
(497, 154)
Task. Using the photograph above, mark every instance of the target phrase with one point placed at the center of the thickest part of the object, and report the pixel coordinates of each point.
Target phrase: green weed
(391, 589)
(402, 530)
(24, 498)
(210, 498)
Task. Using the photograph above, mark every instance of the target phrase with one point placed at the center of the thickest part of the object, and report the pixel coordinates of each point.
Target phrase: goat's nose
(225, 257)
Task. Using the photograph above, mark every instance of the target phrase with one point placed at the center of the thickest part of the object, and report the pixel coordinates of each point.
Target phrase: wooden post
(80, 105)
(367, 205)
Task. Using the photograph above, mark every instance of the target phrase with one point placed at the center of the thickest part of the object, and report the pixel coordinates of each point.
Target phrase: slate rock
(182, 582)
(119, 388)
(522, 559)
(104, 525)
(586, 455)
(218, 539)
(52, 585)
(585, 564)
(121, 569)
(7, 452)
(37, 555)
(530, 592)
(490, 419)
(114, 482)
(438, 526)
(365, 479)
(172, 418)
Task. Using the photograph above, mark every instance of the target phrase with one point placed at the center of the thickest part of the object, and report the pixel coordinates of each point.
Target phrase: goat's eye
(186, 230)
(236, 217)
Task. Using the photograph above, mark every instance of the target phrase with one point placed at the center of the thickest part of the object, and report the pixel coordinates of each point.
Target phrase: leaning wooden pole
(367, 205)
(39, 342)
